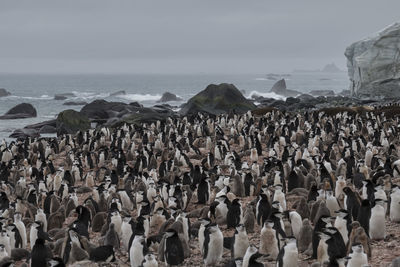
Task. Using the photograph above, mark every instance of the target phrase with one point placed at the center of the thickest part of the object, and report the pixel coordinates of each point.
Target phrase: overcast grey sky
(184, 36)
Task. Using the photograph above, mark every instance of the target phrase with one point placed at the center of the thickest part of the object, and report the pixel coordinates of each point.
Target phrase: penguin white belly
(201, 237)
(241, 245)
(33, 236)
(215, 249)
(332, 205)
(22, 231)
(357, 260)
(341, 225)
(296, 223)
(126, 231)
(377, 227)
(322, 253)
(395, 208)
(136, 254)
(279, 196)
(290, 258)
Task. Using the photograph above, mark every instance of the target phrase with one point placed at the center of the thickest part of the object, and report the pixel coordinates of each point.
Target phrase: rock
(70, 121)
(305, 97)
(292, 100)
(322, 93)
(24, 133)
(75, 103)
(280, 88)
(217, 99)
(4, 92)
(117, 113)
(374, 64)
(122, 92)
(20, 111)
(47, 129)
(167, 96)
(38, 126)
(63, 96)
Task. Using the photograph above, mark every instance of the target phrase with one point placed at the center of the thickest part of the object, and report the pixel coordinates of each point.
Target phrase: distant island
(329, 68)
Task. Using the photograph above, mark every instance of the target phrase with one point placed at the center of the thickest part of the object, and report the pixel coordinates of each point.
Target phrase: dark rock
(217, 99)
(4, 92)
(292, 100)
(38, 126)
(136, 104)
(122, 92)
(70, 121)
(75, 103)
(305, 97)
(167, 96)
(322, 93)
(20, 111)
(24, 133)
(116, 113)
(47, 129)
(280, 88)
(63, 96)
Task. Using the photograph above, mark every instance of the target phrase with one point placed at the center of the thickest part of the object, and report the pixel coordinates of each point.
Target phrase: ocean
(39, 89)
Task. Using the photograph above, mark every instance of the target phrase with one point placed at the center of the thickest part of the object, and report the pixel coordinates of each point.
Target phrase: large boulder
(280, 88)
(167, 96)
(20, 111)
(116, 113)
(217, 99)
(374, 64)
(4, 92)
(70, 121)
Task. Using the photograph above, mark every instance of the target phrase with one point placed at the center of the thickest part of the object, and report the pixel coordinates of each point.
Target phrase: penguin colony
(279, 189)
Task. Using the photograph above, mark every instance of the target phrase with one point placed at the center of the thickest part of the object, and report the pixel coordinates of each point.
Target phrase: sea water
(39, 89)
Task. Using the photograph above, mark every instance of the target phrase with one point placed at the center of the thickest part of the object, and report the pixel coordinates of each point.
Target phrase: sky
(184, 36)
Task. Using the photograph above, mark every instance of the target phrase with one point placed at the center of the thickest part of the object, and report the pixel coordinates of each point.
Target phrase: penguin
(240, 242)
(263, 209)
(213, 245)
(112, 238)
(323, 222)
(364, 214)
(305, 236)
(250, 258)
(149, 261)
(269, 240)
(331, 202)
(102, 253)
(295, 222)
(358, 235)
(343, 224)
(234, 215)
(201, 234)
(322, 250)
(395, 204)
(358, 257)
(137, 251)
(173, 250)
(377, 226)
(249, 218)
(40, 254)
(288, 255)
(351, 203)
